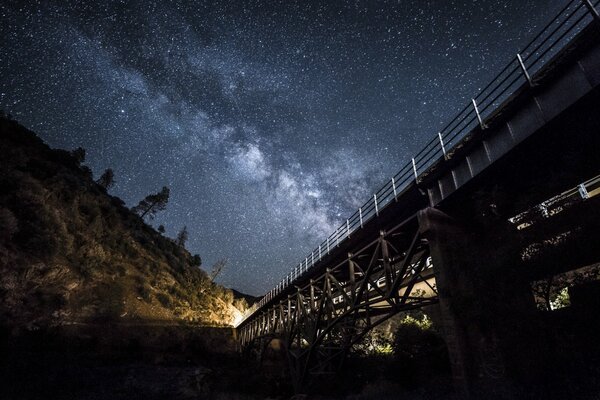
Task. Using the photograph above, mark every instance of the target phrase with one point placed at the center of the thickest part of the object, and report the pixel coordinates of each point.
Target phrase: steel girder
(324, 318)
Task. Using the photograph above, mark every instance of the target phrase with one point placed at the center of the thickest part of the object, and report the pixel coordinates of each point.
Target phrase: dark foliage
(107, 180)
(182, 237)
(152, 204)
(79, 154)
(196, 260)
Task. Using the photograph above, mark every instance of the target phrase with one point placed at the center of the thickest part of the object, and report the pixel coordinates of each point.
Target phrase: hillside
(71, 253)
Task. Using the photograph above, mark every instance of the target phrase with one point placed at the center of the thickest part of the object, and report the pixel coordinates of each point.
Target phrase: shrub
(417, 345)
(144, 291)
(164, 299)
(196, 260)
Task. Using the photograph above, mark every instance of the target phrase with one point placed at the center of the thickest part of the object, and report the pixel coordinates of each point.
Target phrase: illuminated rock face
(71, 253)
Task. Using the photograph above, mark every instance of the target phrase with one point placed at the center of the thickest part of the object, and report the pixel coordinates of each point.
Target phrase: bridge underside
(322, 321)
(523, 218)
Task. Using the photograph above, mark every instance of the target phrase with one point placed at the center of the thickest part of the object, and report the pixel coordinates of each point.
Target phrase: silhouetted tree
(107, 180)
(79, 154)
(152, 203)
(217, 268)
(182, 236)
(161, 228)
(196, 260)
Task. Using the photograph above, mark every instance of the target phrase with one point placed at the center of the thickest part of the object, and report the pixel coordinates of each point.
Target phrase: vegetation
(182, 237)
(552, 292)
(107, 180)
(79, 155)
(152, 204)
(70, 252)
(217, 268)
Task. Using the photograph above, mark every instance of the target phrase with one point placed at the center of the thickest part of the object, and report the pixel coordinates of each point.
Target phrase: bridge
(457, 227)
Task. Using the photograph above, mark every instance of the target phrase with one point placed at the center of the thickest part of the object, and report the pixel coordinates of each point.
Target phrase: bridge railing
(522, 70)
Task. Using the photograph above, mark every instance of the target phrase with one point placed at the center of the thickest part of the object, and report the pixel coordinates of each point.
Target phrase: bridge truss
(330, 313)
(331, 300)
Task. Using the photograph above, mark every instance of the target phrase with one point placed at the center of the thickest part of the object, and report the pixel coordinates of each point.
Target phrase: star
(269, 131)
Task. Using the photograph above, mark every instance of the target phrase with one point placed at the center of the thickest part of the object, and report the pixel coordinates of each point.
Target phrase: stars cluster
(269, 120)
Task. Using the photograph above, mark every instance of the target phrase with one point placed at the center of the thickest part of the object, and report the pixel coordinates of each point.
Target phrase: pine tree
(217, 268)
(107, 180)
(182, 237)
(152, 204)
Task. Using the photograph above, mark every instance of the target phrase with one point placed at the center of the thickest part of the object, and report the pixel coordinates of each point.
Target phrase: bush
(164, 299)
(144, 292)
(89, 209)
(419, 347)
(196, 260)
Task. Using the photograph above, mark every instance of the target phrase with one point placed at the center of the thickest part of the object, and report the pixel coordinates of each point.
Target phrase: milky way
(270, 121)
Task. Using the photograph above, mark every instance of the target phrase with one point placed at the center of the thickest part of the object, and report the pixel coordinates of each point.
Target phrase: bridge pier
(487, 310)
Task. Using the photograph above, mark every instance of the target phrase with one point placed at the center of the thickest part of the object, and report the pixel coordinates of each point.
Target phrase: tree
(551, 292)
(107, 180)
(79, 154)
(152, 204)
(182, 236)
(217, 268)
(196, 260)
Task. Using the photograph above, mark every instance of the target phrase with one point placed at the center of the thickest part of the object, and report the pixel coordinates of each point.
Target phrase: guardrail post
(319, 252)
(442, 144)
(360, 216)
(394, 187)
(327, 245)
(376, 208)
(414, 164)
(351, 277)
(522, 65)
(348, 228)
(583, 191)
(592, 9)
(481, 124)
(313, 299)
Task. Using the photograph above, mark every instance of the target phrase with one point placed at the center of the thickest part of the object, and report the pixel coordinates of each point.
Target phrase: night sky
(270, 121)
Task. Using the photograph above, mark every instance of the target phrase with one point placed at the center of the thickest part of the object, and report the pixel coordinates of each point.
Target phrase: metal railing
(571, 20)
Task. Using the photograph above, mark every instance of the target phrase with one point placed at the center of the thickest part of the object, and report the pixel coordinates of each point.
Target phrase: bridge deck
(558, 67)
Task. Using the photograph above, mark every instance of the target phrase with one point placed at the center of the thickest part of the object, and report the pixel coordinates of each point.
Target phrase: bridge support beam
(487, 311)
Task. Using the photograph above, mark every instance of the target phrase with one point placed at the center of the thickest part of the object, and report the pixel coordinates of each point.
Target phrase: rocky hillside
(72, 253)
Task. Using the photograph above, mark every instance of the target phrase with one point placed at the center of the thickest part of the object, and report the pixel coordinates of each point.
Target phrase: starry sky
(271, 121)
